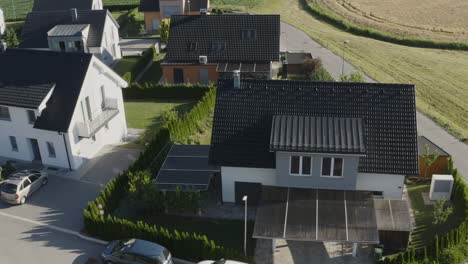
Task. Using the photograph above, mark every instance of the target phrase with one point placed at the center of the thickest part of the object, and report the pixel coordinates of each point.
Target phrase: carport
(316, 215)
(186, 166)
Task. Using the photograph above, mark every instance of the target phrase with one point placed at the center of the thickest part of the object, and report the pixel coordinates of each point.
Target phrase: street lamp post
(245, 225)
(343, 57)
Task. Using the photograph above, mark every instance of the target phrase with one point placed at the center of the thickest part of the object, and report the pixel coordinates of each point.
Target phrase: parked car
(135, 251)
(21, 185)
(221, 261)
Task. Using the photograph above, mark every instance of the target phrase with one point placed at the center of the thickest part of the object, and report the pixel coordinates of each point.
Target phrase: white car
(221, 261)
(22, 184)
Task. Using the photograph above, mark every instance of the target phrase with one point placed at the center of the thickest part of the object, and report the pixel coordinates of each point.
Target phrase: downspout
(66, 150)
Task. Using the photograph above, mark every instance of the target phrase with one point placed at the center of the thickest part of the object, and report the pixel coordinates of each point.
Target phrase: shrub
(164, 30)
(353, 77)
(159, 91)
(127, 77)
(11, 39)
(7, 170)
(322, 75)
(310, 66)
(451, 256)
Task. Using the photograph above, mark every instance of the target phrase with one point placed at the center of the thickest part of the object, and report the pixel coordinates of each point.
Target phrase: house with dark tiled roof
(203, 48)
(58, 108)
(60, 5)
(323, 135)
(73, 30)
(156, 10)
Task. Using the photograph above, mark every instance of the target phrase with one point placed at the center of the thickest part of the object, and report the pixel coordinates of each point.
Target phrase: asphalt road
(293, 39)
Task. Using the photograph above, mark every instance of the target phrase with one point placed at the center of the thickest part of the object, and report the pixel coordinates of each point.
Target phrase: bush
(310, 66)
(322, 75)
(164, 30)
(353, 77)
(140, 65)
(7, 170)
(451, 256)
(127, 77)
(345, 25)
(160, 91)
(11, 38)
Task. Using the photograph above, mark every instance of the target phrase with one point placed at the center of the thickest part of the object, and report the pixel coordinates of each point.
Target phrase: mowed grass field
(445, 20)
(440, 76)
(22, 7)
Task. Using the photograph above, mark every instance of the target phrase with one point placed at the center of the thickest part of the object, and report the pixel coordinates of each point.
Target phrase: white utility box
(441, 187)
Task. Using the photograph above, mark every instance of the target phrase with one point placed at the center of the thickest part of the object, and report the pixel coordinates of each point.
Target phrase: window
(332, 167)
(4, 113)
(377, 194)
(51, 149)
(62, 46)
(31, 116)
(300, 165)
(78, 45)
(218, 46)
(14, 144)
(193, 46)
(26, 183)
(248, 34)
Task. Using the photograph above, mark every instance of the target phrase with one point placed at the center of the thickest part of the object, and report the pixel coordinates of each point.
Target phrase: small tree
(353, 77)
(310, 66)
(164, 30)
(429, 159)
(441, 212)
(11, 38)
(143, 193)
(322, 75)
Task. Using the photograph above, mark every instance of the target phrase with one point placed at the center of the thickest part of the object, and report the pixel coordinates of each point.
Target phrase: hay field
(443, 20)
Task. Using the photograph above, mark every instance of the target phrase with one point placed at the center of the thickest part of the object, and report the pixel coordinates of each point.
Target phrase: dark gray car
(135, 251)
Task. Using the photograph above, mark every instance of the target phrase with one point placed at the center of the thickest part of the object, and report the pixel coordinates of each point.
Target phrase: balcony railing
(109, 111)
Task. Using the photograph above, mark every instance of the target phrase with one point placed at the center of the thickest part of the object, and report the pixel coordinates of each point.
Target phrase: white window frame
(300, 165)
(332, 164)
(50, 146)
(13, 138)
(8, 112)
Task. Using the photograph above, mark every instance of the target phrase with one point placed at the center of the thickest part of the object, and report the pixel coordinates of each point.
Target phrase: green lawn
(440, 75)
(154, 73)
(236, 5)
(425, 231)
(125, 64)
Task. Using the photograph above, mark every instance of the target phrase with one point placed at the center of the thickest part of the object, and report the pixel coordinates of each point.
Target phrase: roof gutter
(66, 150)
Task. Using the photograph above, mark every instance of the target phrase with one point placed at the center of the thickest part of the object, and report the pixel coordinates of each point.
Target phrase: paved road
(293, 39)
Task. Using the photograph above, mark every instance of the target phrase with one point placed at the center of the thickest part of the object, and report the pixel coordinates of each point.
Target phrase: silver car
(19, 186)
(135, 251)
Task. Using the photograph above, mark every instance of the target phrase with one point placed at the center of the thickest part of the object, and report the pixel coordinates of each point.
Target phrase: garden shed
(293, 63)
(439, 166)
(393, 223)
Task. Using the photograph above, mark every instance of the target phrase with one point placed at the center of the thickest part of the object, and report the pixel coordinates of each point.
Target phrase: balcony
(109, 110)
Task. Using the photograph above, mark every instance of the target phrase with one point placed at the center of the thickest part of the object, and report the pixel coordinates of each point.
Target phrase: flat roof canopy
(316, 215)
(392, 215)
(186, 166)
(242, 67)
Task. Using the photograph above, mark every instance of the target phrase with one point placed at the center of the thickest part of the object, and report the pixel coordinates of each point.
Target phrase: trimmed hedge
(113, 8)
(186, 245)
(137, 91)
(345, 25)
(453, 243)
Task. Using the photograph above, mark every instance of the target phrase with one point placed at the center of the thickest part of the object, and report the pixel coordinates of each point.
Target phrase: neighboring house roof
(58, 5)
(297, 57)
(28, 67)
(67, 30)
(149, 6)
(37, 25)
(224, 38)
(423, 141)
(26, 96)
(243, 120)
(317, 134)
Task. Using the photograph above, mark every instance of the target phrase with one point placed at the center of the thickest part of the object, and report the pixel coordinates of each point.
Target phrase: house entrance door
(178, 75)
(35, 150)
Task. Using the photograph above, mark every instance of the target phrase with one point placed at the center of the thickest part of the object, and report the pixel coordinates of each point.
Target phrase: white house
(332, 136)
(88, 31)
(2, 23)
(59, 5)
(58, 109)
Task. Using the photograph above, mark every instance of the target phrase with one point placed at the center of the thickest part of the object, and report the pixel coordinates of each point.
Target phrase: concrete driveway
(293, 39)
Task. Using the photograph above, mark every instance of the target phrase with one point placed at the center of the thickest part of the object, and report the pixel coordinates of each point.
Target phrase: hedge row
(185, 245)
(345, 25)
(138, 68)
(441, 248)
(137, 91)
(113, 8)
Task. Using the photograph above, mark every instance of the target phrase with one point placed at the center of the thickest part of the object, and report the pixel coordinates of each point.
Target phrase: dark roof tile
(26, 96)
(58, 5)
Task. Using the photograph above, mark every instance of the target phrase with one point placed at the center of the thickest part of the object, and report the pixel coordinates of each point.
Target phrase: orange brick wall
(191, 73)
(149, 16)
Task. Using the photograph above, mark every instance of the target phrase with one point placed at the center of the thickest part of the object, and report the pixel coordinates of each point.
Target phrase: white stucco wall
(85, 148)
(97, 4)
(2, 23)
(110, 43)
(390, 184)
(231, 175)
(20, 128)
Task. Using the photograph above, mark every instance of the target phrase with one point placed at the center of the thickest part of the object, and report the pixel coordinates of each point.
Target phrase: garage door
(251, 189)
(168, 11)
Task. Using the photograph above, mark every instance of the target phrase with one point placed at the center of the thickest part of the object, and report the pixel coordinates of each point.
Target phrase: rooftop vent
(203, 59)
(236, 77)
(203, 11)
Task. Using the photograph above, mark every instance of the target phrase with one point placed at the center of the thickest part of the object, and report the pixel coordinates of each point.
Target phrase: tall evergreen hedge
(182, 244)
(146, 91)
(455, 239)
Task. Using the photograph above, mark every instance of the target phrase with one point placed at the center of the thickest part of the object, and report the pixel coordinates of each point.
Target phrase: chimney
(236, 77)
(3, 46)
(74, 14)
